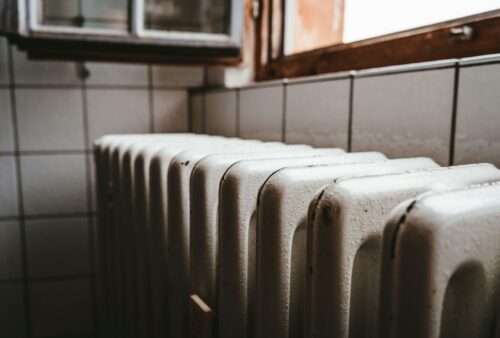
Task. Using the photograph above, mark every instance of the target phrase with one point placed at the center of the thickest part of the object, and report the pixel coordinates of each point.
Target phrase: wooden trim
(276, 29)
(429, 43)
(261, 33)
(74, 50)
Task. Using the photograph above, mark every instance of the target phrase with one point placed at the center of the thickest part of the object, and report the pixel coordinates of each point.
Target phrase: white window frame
(137, 31)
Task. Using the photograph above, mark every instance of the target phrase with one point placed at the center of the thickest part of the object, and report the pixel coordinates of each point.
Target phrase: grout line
(57, 216)
(74, 86)
(13, 218)
(203, 113)
(451, 155)
(76, 335)
(351, 110)
(238, 113)
(90, 228)
(170, 88)
(11, 281)
(61, 278)
(190, 123)
(151, 100)
(4, 281)
(22, 225)
(46, 152)
(16, 218)
(48, 86)
(283, 112)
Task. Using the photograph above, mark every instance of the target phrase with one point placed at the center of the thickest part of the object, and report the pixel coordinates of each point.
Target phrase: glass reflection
(207, 16)
(107, 14)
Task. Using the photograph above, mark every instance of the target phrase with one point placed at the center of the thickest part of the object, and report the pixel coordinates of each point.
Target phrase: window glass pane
(367, 19)
(107, 14)
(312, 24)
(207, 16)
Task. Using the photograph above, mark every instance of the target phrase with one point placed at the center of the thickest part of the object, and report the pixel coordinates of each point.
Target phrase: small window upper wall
(170, 31)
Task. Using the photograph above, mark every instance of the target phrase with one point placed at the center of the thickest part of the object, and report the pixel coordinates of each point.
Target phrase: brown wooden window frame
(429, 43)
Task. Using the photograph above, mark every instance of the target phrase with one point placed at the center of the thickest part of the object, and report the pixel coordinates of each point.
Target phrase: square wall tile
(43, 72)
(117, 74)
(197, 113)
(6, 129)
(8, 187)
(50, 119)
(57, 247)
(12, 311)
(4, 61)
(170, 111)
(404, 115)
(10, 251)
(261, 113)
(54, 184)
(117, 111)
(478, 115)
(317, 113)
(61, 308)
(177, 76)
(220, 113)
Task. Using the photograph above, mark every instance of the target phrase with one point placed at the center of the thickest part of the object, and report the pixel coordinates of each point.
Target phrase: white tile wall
(402, 115)
(117, 74)
(12, 311)
(172, 76)
(68, 235)
(10, 250)
(170, 111)
(8, 187)
(261, 113)
(50, 119)
(54, 184)
(4, 67)
(318, 113)
(477, 137)
(43, 72)
(61, 308)
(50, 112)
(6, 131)
(220, 113)
(197, 113)
(117, 111)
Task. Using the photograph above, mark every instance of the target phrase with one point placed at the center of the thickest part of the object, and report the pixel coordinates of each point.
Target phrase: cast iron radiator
(206, 236)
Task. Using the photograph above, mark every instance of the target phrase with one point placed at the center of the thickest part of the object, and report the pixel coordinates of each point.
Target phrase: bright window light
(365, 19)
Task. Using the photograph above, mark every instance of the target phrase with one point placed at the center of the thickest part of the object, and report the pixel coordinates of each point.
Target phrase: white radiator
(206, 236)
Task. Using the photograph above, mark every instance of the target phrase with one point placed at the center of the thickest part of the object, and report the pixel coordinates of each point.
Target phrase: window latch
(463, 33)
